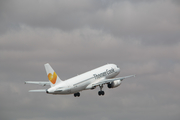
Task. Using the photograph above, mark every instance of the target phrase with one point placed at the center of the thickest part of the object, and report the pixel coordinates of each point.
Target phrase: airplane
(87, 81)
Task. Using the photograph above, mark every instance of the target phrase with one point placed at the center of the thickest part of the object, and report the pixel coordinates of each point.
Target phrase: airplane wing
(38, 83)
(105, 81)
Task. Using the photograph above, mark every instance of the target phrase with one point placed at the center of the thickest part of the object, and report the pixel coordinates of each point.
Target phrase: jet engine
(114, 84)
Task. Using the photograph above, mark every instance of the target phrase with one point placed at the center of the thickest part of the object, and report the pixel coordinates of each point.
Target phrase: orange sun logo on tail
(52, 78)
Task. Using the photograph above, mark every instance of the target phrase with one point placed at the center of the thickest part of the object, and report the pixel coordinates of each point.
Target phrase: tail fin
(52, 76)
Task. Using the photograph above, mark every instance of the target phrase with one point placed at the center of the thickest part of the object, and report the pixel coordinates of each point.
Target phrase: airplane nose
(118, 70)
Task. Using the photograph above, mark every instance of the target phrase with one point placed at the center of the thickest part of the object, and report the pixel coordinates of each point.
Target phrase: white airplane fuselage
(85, 81)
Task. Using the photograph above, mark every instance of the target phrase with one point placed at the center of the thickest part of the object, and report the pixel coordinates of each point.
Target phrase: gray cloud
(141, 37)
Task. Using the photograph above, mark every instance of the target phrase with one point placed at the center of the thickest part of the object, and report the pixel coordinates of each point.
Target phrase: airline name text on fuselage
(103, 74)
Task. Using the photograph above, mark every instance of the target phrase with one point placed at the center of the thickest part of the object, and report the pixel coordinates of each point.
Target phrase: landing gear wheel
(76, 94)
(101, 93)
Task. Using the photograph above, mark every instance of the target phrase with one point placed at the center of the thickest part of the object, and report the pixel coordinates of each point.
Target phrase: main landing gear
(76, 94)
(101, 92)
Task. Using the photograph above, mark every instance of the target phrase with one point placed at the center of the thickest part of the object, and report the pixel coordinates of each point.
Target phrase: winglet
(122, 78)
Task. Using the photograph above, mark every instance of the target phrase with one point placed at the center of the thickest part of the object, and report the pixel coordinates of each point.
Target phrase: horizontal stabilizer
(41, 90)
(37, 82)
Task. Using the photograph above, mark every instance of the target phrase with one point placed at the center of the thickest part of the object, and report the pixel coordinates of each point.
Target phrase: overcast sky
(141, 36)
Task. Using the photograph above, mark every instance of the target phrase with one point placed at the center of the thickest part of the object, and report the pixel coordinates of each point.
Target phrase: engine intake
(114, 84)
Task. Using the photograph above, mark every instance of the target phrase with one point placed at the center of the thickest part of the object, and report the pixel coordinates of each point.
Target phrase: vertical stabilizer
(52, 76)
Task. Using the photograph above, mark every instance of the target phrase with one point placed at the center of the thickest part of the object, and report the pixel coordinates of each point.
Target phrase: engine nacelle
(114, 84)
